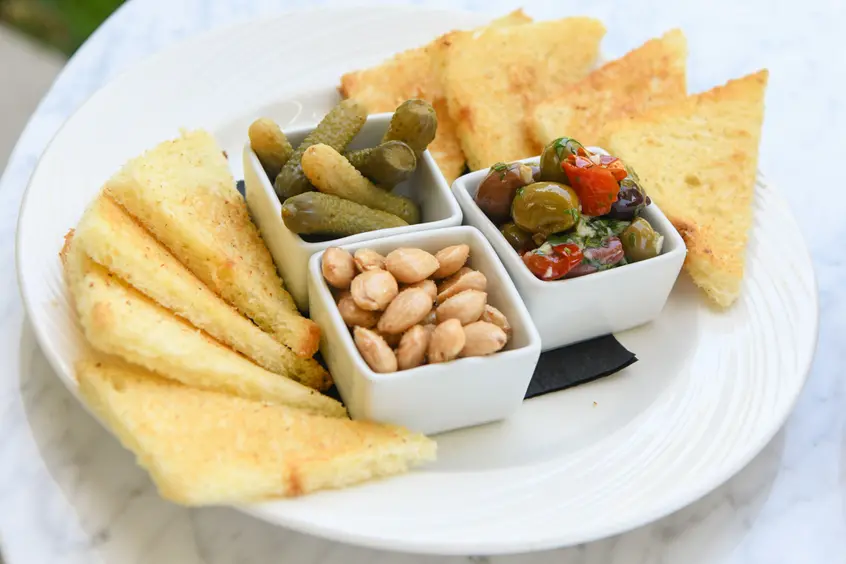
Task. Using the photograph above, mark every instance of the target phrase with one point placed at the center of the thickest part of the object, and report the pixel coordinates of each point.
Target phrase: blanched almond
(410, 265)
(368, 259)
(354, 315)
(338, 267)
(447, 341)
(451, 259)
(466, 307)
(412, 348)
(373, 290)
(493, 315)
(409, 308)
(482, 338)
(374, 350)
(428, 285)
(461, 281)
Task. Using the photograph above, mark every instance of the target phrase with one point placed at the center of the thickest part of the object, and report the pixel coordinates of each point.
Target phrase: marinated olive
(631, 199)
(498, 188)
(641, 241)
(553, 155)
(520, 240)
(602, 256)
(545, 208)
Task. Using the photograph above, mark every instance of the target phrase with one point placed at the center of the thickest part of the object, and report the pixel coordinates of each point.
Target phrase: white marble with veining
(70, 493)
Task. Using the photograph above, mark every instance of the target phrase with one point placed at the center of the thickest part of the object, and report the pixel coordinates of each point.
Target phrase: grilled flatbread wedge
(651, 75)
(120, 321)
(493, 76)
(207, 448)
(111, 238)
(417, 73)
(698, 160)
(183, 193)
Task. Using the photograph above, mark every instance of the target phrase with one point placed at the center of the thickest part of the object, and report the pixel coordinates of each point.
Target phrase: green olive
(553, 155)
(640, 241)
(520, 240)
(545, 208)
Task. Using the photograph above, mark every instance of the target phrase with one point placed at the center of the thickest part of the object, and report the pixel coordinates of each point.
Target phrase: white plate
(710, 390)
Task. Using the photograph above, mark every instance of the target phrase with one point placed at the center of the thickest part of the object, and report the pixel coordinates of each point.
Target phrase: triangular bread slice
(698, 160)
(120, 321)
(492, 78)
(651, 75)
(416, 73)
(206, 448)
(110, 237)
(183, 193)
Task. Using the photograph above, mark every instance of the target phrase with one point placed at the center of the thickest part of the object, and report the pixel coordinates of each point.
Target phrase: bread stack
(201, 363)
(504, 91)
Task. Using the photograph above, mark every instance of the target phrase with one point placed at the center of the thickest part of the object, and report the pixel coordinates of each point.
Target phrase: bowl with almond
(424, 330)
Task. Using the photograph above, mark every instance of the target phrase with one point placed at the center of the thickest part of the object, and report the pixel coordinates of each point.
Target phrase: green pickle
(554, 155)
(414, 123)
(641, 241)
(315, 213)
(386, 165)
(336, 129)
(270, 146)
(544, 208)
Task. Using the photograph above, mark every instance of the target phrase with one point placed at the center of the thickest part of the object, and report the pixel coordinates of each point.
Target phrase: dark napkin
(564, 368)
(581, 363)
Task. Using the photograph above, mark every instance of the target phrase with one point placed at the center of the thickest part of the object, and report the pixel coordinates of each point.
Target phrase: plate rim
(702, 486)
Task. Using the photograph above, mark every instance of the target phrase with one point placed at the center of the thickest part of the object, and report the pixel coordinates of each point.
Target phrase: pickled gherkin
(386, 165)
(336, 129)
(270, 146)
(315, 213)
(331, 173)
(414, 123)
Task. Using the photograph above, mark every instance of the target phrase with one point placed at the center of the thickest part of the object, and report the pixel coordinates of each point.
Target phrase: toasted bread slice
(183, 193)
(698, 160)
(417, 73)
(651, 75)
(493, 76)
(120, 321)
(206, 448)
(110, 237)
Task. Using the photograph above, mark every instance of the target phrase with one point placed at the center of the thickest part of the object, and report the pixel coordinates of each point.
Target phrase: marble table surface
(70, 493)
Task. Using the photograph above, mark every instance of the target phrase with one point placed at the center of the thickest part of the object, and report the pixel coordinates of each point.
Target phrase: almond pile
(412, 307)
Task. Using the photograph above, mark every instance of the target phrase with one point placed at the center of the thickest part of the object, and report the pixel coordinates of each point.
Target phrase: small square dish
(571, 310)
(427, 187)
(431, 398)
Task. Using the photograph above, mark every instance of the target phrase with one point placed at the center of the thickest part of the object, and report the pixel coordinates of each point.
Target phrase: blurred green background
(61, 24)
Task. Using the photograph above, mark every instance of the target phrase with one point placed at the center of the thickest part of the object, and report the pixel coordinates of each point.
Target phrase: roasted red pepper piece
(554, 263)
(596, 186)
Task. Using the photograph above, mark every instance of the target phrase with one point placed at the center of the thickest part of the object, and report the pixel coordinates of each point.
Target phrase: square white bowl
(437, 397)
(577, 309)
(291, 252)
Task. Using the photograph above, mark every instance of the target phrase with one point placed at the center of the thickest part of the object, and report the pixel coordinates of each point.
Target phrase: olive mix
(575, 214)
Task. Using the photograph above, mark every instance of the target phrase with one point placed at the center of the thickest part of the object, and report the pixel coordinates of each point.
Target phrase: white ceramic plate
(710, 390)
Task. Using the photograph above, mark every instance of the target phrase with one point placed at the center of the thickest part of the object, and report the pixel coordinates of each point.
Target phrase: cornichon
(336, 129)
(270, 146)
(315, 213)
(386, 165)
(331, 173)
(414, 123)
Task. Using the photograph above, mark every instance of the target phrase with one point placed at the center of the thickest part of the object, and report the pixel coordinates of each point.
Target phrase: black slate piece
(242, 188)
(584, 362)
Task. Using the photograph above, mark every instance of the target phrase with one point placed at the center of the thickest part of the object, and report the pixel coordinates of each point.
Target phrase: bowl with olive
(351, 178)
(588, 250)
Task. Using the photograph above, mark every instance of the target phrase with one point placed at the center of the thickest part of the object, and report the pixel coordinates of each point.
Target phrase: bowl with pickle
(350, 178)
(588, 250)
